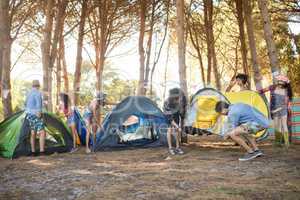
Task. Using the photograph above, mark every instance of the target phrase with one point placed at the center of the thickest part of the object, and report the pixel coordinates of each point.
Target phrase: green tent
(15, 135)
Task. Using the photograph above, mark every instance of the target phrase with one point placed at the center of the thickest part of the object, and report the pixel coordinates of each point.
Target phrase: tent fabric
(149, 131)
(15, 135)
(295, 120)
(80, 127)
(202, 118)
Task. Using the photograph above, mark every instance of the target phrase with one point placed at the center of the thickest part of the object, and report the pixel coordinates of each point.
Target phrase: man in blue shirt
(33, 109)
(243, 120)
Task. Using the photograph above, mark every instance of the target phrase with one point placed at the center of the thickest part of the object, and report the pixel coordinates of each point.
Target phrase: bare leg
(95, 129)
(42, 135)
(235, 136)
(278, 130)
(169, 137)
(87, 140)
(284, 124)
(178, 136)
(253, 142)
(276, 122)
(32, 141)
(87, 136)
(74, 134)
(285, 131)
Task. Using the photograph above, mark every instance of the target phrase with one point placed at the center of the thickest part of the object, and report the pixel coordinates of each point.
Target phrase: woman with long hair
(281, 97)
(65, 108)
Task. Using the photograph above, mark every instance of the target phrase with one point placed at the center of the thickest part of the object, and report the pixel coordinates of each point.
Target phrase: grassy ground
(208, 170)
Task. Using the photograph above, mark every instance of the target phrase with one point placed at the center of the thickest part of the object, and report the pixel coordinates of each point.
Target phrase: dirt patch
(208, 170)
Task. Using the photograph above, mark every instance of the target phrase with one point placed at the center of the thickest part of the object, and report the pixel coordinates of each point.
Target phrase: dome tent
(202, 118)
(134, 122)
(15, 135)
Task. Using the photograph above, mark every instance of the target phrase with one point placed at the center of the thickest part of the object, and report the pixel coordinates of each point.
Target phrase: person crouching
(244, 120)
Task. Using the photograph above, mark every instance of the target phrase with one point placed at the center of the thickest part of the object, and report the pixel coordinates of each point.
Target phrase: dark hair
(65, 99)
(289, 90)
(221, 105)
(174, 92)
(242, 77)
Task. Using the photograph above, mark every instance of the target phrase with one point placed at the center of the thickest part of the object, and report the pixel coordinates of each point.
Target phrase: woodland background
(142, 47)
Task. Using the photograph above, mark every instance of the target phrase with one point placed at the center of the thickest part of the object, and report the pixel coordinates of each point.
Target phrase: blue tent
(80, 127)
(148, 129)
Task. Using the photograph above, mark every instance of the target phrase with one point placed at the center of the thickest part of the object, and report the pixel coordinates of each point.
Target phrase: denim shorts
(71, 120)
(36, 124)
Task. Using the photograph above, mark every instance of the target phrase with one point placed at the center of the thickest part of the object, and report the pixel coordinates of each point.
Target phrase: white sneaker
(88, 150)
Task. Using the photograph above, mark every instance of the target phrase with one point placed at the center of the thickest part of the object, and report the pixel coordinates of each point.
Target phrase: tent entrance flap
(136, 129)
(206, 117)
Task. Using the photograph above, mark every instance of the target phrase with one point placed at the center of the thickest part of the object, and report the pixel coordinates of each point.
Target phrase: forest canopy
(143, 47)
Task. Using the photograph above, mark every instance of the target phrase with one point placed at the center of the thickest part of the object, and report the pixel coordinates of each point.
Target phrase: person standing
(65, 108)
(172, 112)
(281, 96)
(242, 81)
(33, 109)
(91, 116)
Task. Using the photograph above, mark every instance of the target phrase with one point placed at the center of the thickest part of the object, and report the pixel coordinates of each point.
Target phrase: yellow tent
(202, 116)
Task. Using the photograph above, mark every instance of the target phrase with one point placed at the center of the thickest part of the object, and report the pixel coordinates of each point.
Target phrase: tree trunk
(58, 77)
(240, 18)
(76, 83)
(201, 66)
(64, 65)
(197, 47)
(166, 69)
(6, 41)
(103, 9)
(60, 27)
(232, 82)
(252, 45)
(99, 73)
(141, 88)
(45, 46)
(181, 44)
(208, 40)
(215, 63)
(149, 47)
(211, 52)
(268, 34)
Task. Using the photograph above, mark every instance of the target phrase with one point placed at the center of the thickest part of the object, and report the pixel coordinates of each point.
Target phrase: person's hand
(226, 136)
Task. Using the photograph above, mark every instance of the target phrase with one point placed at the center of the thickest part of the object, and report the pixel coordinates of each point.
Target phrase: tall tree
(142, 13)
(252, 45)
(5, 46)
(110, 25)
(76, 84)
(268, 34)
(149, 44)
(157, 54)
(195, 29)
(63, 62)
(240, 18)
(210, 39)
(13, 15)
(46, 51)
(49, 45)
(181, 44)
